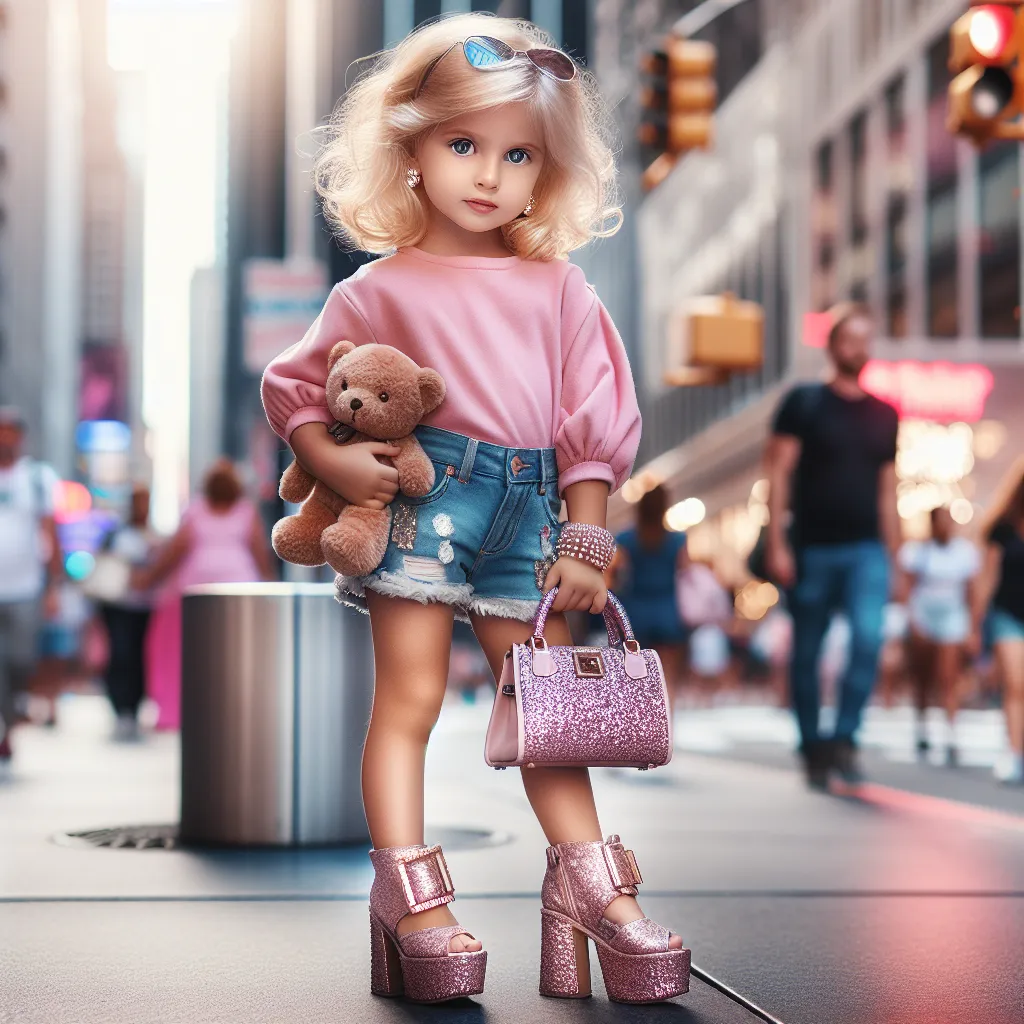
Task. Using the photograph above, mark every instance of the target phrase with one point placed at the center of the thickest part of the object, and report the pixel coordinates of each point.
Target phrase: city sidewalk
(821, 909)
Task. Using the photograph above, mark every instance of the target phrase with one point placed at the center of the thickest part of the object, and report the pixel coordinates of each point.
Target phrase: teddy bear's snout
(355, 404)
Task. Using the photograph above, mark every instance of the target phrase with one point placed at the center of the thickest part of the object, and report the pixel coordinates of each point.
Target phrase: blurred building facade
(833, 177)
(64, 225)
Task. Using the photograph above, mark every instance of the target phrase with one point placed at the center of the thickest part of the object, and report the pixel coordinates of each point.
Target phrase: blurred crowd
(122, 624)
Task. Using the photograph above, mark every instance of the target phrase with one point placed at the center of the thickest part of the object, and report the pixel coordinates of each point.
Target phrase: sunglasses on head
(486, 53)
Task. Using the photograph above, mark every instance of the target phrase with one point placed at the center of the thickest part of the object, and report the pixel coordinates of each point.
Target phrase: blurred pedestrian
(221, 539)
(1002, 583)
(31, 567)
(707, 610)
(939, 571)
(831, 463)
(648, 558)
(126, 617)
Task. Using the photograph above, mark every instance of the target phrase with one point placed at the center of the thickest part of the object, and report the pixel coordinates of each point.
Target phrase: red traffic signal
(990, 30)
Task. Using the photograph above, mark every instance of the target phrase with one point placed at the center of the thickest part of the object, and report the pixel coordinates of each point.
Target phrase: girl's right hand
(352, 470)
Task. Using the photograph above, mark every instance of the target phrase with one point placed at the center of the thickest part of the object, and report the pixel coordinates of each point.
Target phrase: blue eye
(461, 147)
(517, 156)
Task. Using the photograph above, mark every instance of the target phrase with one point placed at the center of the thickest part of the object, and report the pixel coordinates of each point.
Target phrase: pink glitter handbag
(581, 706)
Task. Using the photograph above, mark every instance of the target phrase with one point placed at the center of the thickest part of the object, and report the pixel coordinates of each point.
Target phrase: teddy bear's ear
(341, 349)
(431, 389)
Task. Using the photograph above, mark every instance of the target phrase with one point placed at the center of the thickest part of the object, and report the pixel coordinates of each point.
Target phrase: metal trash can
(276, 691)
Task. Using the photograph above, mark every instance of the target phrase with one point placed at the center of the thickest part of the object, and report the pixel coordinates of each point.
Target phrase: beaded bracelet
(587, 543)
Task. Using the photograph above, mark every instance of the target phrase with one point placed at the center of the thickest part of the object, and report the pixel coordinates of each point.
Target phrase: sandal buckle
(622, 867)
(429, 889)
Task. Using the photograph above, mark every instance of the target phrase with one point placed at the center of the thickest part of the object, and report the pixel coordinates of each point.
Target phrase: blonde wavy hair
(373, 134)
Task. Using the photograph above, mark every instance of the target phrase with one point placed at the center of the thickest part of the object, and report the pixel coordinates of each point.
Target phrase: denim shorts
(1005, 626)
(482, 540)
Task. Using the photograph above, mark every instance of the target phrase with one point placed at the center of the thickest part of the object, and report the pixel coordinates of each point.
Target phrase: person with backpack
(31, 566)
(831, 463)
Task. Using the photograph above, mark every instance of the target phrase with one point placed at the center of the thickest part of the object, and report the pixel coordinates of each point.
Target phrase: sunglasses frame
(497, 66)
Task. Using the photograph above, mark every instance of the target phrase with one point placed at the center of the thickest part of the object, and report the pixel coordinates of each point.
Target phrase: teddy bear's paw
(355, 546)
(293, 543)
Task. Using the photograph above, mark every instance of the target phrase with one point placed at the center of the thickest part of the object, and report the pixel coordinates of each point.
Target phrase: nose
(489, 175)
(355, 404)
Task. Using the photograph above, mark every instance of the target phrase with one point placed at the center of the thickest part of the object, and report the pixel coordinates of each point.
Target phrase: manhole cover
(128, 837)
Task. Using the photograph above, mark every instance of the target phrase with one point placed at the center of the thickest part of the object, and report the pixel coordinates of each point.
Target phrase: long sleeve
(599, 424)
(293, 387)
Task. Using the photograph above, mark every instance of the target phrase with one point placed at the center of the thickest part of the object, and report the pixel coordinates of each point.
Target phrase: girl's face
(480, 169)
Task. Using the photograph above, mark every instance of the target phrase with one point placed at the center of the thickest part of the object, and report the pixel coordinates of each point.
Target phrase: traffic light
(984, 51)
(677, 99)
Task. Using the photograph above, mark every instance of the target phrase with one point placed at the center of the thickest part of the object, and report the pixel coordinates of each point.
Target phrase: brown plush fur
(350, 539)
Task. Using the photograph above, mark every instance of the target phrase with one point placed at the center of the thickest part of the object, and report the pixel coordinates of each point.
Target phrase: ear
(431, 389)
(341, 349)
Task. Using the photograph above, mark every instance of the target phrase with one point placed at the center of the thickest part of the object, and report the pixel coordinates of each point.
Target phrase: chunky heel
(419, 964)
(644, 977)
(637, 959)
(564, 959)
(385, 965)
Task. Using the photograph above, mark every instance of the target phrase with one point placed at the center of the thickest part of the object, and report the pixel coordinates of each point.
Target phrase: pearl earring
(529, 207)
(413, 177)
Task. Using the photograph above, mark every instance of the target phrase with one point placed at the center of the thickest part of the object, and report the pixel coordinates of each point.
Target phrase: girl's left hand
(581, 587)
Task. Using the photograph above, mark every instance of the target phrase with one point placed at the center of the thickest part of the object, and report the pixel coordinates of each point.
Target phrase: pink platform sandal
(409, 880)
(636, 961)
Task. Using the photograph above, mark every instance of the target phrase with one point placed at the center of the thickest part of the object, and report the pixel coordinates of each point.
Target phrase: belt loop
(467, 462)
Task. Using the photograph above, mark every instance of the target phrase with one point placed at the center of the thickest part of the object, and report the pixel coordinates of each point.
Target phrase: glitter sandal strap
(409, 880)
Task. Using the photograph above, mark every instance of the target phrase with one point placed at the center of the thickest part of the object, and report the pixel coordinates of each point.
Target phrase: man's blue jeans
(852, 578)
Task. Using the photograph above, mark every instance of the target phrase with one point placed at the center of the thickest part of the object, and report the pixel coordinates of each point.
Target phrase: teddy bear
(375, 393)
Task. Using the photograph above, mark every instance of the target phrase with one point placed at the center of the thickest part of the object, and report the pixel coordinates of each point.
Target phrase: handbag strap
(616, 621)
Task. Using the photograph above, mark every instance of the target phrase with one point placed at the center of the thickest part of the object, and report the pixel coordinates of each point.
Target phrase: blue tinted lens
(482, 51)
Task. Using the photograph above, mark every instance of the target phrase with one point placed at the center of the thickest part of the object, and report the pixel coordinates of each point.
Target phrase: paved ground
(887, 907)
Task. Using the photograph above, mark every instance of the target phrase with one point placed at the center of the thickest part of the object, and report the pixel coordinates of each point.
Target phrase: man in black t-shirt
(831, 464)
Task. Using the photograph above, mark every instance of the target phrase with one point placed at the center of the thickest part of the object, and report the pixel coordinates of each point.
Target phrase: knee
(411, 707)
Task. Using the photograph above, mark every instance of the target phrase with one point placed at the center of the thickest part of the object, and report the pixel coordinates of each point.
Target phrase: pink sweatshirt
(530, 357)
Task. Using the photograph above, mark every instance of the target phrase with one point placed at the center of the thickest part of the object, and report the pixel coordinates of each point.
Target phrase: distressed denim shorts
(481, 541)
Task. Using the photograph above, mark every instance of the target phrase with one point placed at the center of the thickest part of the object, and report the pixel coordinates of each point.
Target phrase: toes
(675, 942)
(464, 944)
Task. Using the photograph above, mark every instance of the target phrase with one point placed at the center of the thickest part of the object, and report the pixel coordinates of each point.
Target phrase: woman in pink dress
(220, 540)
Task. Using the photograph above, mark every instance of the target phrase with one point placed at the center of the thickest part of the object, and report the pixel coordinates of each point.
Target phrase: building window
(999, 240)
(899, 174)
(860, 245)
(824, 220)
(941, 248)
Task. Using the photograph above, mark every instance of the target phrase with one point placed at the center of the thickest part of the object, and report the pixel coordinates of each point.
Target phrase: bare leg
(562, 798)
(1010, 654)
(922, 662)
(411, 649)
(947, 676)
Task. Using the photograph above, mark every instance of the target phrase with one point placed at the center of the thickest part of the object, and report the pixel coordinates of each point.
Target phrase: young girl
(473, 153)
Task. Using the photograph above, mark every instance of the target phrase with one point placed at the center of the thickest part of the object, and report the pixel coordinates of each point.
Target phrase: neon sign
(946, 392)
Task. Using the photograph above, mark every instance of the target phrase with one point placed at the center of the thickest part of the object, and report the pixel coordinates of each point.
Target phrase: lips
(481, 205)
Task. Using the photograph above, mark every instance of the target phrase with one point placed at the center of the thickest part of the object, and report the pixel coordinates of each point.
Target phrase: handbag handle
(616, 622)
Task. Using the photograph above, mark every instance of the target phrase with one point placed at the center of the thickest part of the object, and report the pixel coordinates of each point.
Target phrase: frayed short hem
(504, 608)
(351, 592)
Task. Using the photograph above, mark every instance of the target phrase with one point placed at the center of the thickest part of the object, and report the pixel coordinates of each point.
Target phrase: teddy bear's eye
(383, 396)
(344, 385)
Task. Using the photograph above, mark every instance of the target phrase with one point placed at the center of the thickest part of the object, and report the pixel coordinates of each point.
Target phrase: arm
(982, 587)
(581, 586)
(782, 456)
(260, 548)
(167, 561)
(888, 517)
(54, 568)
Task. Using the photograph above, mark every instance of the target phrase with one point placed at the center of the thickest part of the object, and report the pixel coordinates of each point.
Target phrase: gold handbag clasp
(589, 664)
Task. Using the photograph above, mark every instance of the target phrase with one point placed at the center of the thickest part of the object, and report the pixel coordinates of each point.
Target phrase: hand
(581, 587)
(972, 646)
(352, 470)
(781, 565)
(51, 602)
